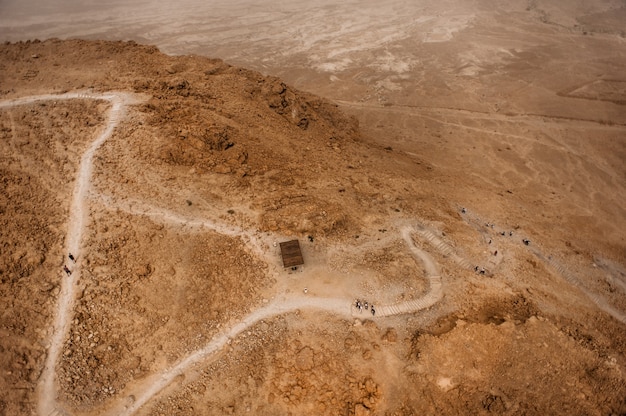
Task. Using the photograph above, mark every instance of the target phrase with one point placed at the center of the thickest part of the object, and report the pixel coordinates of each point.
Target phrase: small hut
(292, 255)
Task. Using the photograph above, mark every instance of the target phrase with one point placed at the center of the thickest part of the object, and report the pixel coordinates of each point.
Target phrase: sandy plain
(511, 110)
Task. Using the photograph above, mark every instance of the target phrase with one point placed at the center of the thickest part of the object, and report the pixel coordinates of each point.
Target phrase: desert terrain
(459, 167)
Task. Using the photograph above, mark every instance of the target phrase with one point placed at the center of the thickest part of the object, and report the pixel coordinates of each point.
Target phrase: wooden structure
(292, 256)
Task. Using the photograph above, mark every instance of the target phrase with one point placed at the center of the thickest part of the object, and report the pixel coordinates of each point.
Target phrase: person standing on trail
(373, 311)
(72, 258)
(66, 270)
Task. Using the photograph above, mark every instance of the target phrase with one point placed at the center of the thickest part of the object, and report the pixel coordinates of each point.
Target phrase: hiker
(72, 258)
(495, 253)
(510, 233)
(373, 311)
(526, 241)
(490, 241)
(66, 270)
(482, 270)
(476, 268)
(463, 210)
(503, 233)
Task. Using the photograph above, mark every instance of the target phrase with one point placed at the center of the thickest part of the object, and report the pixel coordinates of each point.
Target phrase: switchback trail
(286, 303)
(283, 303)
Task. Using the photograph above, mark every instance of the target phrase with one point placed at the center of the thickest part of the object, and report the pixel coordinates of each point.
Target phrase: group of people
(364, 305)
(65, 268)
(526, 241)
(480, 270)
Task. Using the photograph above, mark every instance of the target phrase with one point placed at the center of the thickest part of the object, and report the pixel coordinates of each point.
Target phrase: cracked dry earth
(171, 179)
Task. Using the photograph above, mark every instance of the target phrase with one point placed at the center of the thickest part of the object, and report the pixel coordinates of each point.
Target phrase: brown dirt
(218, 162)
(40, 147)
(200, 277)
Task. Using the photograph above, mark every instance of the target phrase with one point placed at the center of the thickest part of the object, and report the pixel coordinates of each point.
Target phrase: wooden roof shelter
(292, 256)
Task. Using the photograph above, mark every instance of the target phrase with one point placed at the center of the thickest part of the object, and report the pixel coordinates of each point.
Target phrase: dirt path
(435, 293)
(286, 303)
(76, 224)
(283, 303)
(563, 271)
(78, 217)
(163, 215)
(555, 266)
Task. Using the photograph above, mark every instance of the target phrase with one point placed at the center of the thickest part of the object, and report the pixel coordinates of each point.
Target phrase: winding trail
(563, 271)
(558, 269)
(435, 293)
(287, 304)
(280, 306)
(163, 215)
(283, 303)
(444, 248)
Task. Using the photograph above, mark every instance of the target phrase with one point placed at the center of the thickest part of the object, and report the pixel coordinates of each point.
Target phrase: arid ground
(459, 167)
